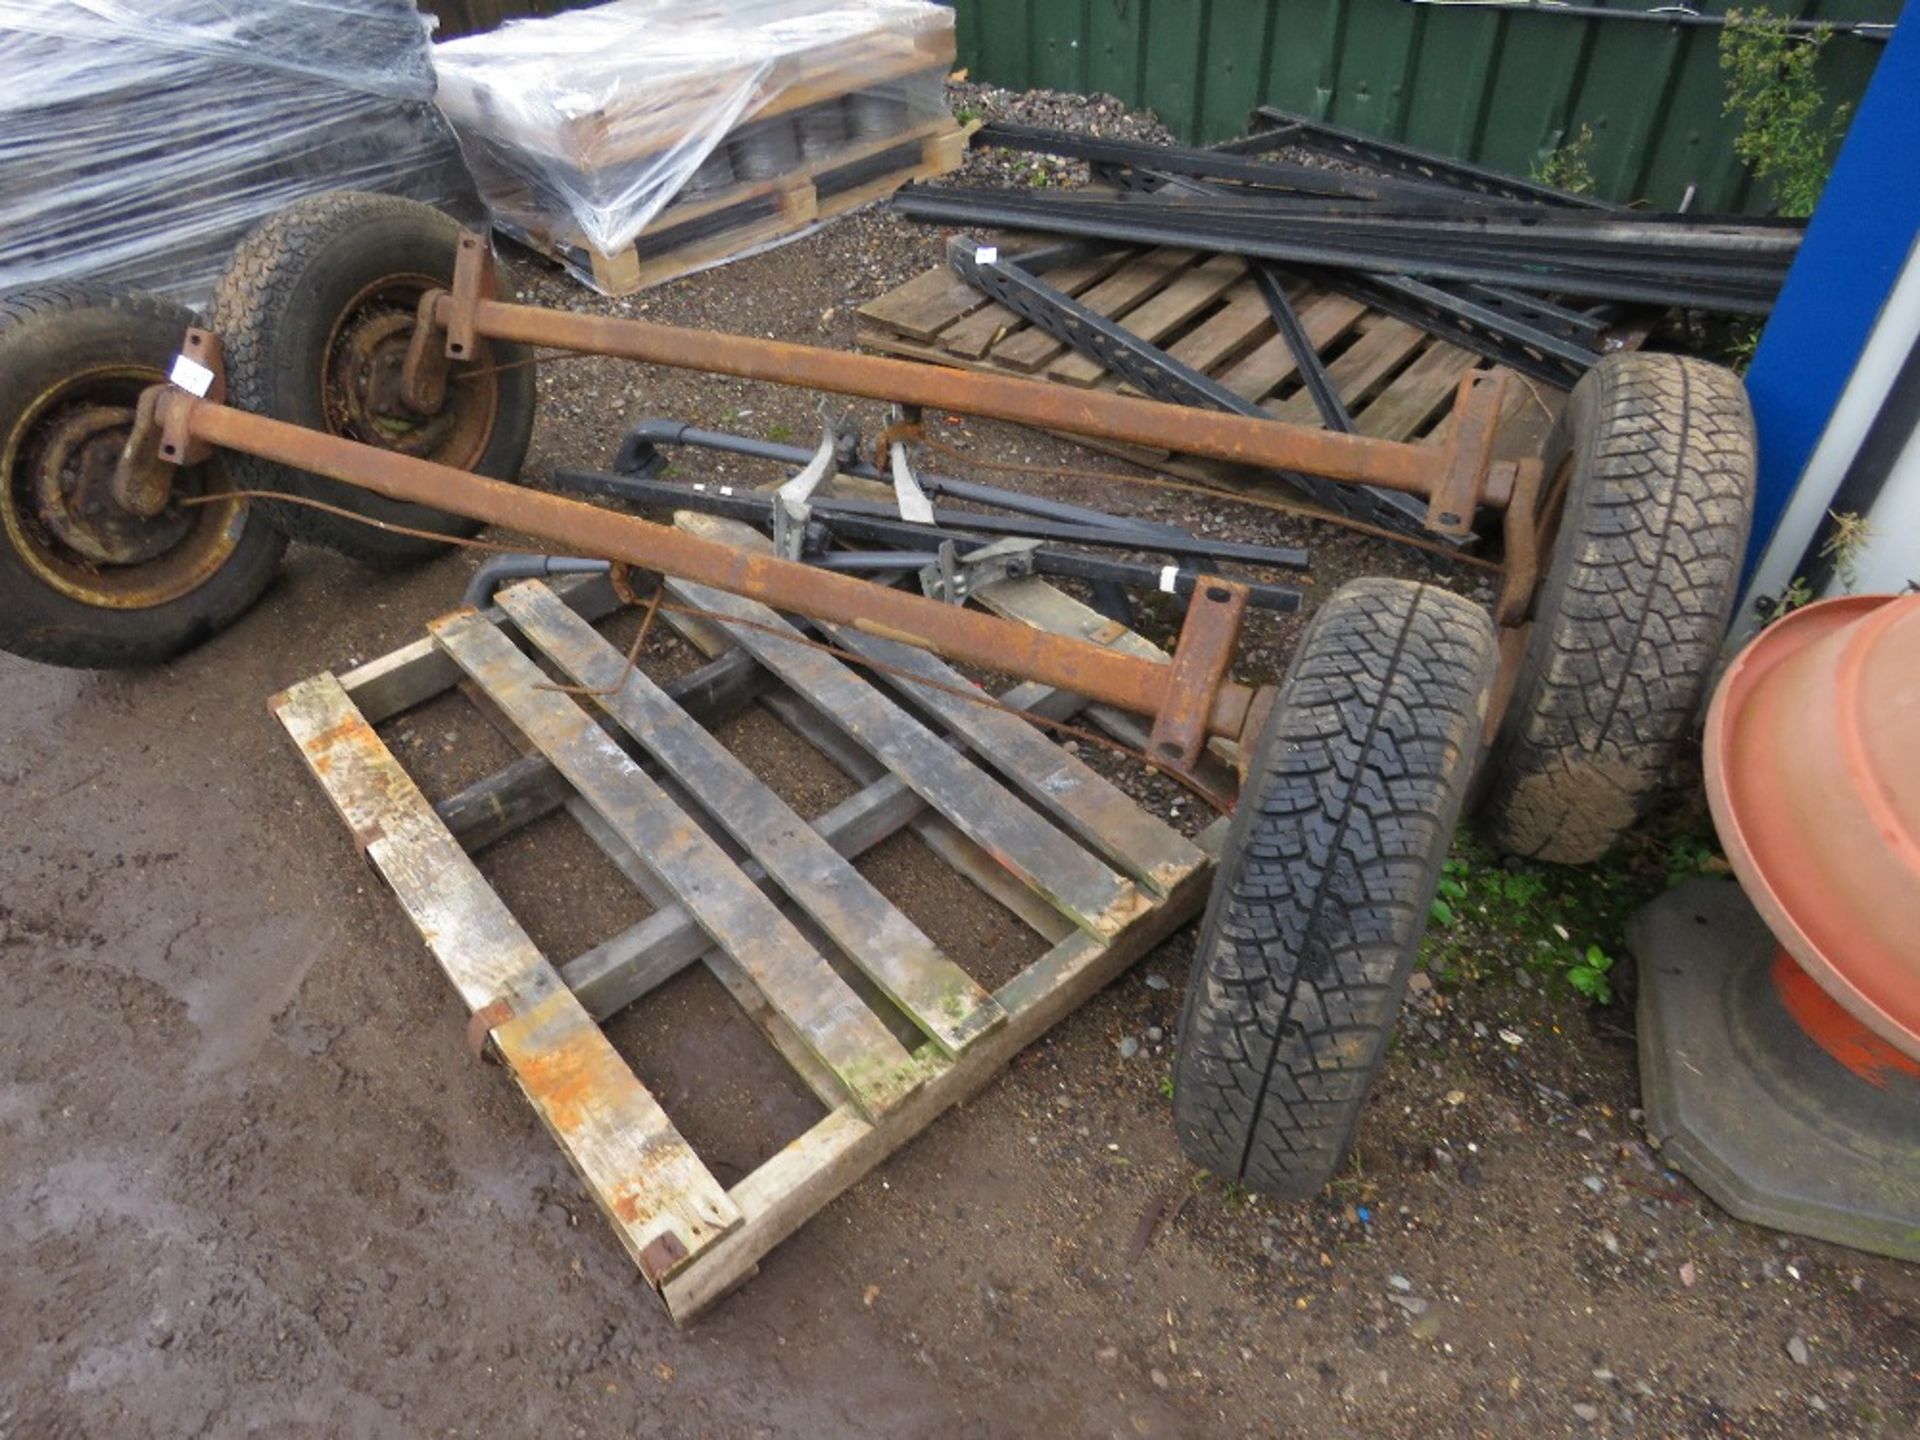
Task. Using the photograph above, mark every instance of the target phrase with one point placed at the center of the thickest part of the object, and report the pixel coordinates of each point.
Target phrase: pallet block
(694, 234)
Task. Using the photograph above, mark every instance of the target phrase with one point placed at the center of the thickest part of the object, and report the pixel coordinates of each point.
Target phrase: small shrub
(1568, 165)
(1772, 87)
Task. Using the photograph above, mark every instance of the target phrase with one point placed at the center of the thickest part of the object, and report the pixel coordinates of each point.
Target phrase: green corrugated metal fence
(1502, 87)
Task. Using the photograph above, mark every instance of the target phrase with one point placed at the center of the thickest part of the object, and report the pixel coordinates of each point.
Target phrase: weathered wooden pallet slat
(638, 1168)
(1033, 348)
(1271, 364)
(692, 1238)
(1158, 317)
(1063, 785)
(800, 984)
(1088, 893)
(891, 949)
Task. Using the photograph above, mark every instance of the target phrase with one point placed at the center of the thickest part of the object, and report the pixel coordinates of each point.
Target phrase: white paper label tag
(986, 254)
(1167, 575)
(190, 375)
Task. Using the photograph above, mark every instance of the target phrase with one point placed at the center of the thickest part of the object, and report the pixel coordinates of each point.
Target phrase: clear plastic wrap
(140, 139)
(584, 127)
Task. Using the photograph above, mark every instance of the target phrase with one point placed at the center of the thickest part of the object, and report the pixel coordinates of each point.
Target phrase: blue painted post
(1855, 245)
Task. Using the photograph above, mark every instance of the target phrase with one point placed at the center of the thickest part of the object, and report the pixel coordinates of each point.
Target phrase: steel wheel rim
(207, 540)
(370, 334)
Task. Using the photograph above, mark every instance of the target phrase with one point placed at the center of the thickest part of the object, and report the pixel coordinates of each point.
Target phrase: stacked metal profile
(1538, 280)
(1422, 227)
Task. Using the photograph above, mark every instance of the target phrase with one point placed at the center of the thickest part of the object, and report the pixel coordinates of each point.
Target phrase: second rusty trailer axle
(1189, 698)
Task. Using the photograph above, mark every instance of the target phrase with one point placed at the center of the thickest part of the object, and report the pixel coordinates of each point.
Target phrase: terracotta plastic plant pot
(1813, 773)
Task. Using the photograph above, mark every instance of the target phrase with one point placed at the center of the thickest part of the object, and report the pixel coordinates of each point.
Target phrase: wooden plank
(932, 829)
(1085, 802)
(1271, 364)
(490, 809)
(1526, 419)
(1033, 349)
(927, 150)
(847, 1037)
(925, 305)
(892, 951)
(627, 1152)
(1155, 319)
(414, 674)
(1417, 394)
(972, 337)
(1244, 321)
(627, 273)
(783, 1037)
(1082, 889)
(794, 1183)
(616, 972)
(1386, 346)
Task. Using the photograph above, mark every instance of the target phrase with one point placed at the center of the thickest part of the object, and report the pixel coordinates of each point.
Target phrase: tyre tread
(1633, 619)
(1330, 869)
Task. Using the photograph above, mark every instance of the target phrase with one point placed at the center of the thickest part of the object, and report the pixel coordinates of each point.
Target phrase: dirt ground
(251, 1181)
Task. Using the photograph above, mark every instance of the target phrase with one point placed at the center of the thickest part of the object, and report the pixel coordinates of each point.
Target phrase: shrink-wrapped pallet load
(140, 139)
(649, 138)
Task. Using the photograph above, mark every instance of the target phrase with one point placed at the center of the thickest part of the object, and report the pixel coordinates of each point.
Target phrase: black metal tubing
(636, 456)
(1215, 164)
(850, 520)
(1703, 280)
(1406, 161)
(1154, 372)
(1650, 241)
(832, 511)
(1068, 565)
(1333, 414)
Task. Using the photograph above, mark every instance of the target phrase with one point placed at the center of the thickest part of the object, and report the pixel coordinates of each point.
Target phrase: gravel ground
(251, 1182)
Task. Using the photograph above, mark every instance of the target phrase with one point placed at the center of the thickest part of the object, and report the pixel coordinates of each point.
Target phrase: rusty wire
(1220, 803)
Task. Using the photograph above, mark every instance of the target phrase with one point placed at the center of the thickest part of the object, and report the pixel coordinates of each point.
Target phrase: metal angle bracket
(790, 520)
(908, 494)
(955, 580)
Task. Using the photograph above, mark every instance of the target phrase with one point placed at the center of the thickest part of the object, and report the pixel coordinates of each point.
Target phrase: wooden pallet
(693, 234)
(1397, 381)
(886, 1029)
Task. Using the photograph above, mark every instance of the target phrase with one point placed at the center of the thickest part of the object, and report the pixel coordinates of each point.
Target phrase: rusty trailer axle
(1189, 698)
(1456, 478)
(186, 428)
